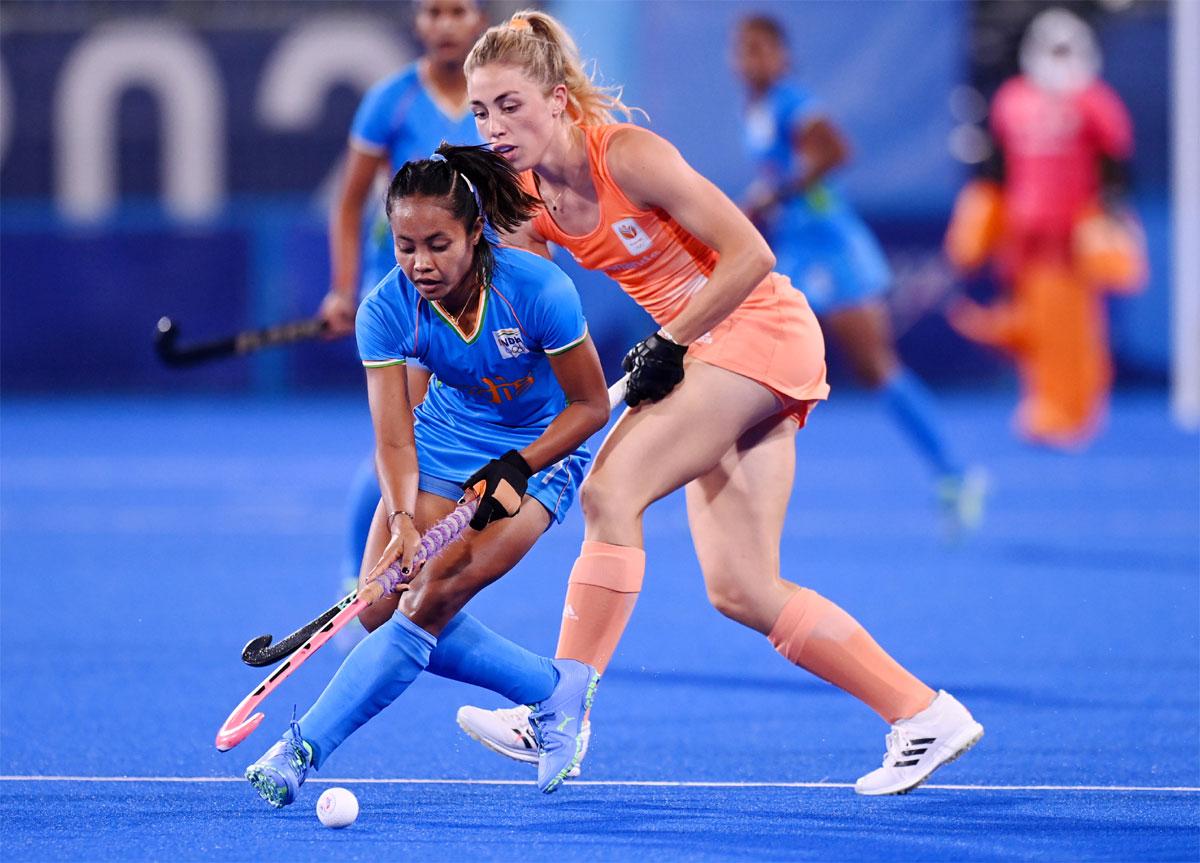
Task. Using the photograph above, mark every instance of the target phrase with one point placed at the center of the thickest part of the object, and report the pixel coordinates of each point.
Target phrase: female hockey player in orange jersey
(717, 393)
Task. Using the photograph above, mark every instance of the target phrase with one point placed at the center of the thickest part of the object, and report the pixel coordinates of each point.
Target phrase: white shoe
(508, 732)
(920, 745)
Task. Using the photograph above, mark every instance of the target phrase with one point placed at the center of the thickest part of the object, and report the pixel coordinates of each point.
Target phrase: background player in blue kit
(830, 254)
(401, 118)
(516, 390)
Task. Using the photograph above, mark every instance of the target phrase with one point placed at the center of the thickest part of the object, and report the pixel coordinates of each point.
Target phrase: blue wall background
(78, 301)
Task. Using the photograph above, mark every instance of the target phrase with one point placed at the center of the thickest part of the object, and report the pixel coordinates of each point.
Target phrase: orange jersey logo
(498, 389)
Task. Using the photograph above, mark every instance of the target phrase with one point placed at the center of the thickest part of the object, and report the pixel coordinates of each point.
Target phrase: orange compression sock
(601, 593)
(820, 637)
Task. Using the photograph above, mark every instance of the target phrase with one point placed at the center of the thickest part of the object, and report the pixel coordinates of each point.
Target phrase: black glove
(655, 368)
(504, 481)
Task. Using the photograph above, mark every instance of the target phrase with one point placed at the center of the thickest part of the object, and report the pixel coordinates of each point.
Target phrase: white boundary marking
(623, 783)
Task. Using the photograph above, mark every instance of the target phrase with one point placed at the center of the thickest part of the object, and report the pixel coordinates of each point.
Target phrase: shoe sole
(565, 773)
(525, 756)
(963, 749)
(269, 785)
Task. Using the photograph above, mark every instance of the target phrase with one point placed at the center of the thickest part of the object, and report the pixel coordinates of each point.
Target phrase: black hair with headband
(475, 184)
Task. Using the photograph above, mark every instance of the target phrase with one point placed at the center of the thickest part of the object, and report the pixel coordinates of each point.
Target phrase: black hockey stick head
(260, 651)
(257, 651)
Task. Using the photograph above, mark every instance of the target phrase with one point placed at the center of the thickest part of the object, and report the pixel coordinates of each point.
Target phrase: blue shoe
(557, 722)
(963, 498)
(278, 775)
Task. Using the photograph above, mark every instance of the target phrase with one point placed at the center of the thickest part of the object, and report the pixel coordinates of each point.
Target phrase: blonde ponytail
(539, 46)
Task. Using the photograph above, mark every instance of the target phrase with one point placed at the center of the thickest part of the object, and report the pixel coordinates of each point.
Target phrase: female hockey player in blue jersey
(822, 245)
(516, 389)
(401, 118)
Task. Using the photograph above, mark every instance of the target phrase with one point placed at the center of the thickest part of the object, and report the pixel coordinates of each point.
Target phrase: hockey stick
(242, 721)
(260, 652)
(616, 393)
(166, 341)
(922, 286)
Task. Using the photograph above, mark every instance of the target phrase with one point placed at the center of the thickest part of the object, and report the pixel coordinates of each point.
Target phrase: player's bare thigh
(736, 512)
(464, 568)
(441, 589)
(864, 334)
(655, 449)
(430, 508)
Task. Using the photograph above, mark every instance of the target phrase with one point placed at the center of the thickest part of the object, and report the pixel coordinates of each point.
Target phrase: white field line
(622, 783)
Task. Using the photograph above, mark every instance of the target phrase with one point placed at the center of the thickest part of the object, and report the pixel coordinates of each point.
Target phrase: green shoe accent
(561, 777)
(270, 790)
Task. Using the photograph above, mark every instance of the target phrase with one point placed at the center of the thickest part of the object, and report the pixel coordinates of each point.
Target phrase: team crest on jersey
(631, 234)
(510, 342)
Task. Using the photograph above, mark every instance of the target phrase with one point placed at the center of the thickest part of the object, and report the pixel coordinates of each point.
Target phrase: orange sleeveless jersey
(772, 337)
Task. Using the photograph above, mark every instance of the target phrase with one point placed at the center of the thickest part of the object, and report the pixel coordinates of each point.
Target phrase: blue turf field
(166, 533)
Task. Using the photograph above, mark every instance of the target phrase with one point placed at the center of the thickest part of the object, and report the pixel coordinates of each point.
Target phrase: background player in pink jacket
(1049, 216)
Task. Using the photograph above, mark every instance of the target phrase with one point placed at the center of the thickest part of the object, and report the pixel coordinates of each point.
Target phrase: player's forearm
(578, 422)
(819, 165)
(344, 248)
(736, 275)
(811, 177)
(821, 149)
(396, 465)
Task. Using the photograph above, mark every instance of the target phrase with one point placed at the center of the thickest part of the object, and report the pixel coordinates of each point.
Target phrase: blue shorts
(836, 261)
(554, 488)
(449, 454)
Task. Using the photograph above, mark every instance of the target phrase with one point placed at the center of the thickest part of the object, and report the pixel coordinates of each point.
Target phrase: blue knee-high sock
(470, 652)
(362, 501)
(374, 675)
(912, 406)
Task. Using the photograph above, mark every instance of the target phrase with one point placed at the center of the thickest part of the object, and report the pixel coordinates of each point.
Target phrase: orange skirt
(773, 338)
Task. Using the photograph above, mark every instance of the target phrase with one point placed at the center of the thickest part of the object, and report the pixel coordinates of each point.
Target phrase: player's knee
(430, 606)
(873, 364)
(374, 616)
(875, 368)
(431, 602)
(599, 498)
(872, 375)
(732, 599)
